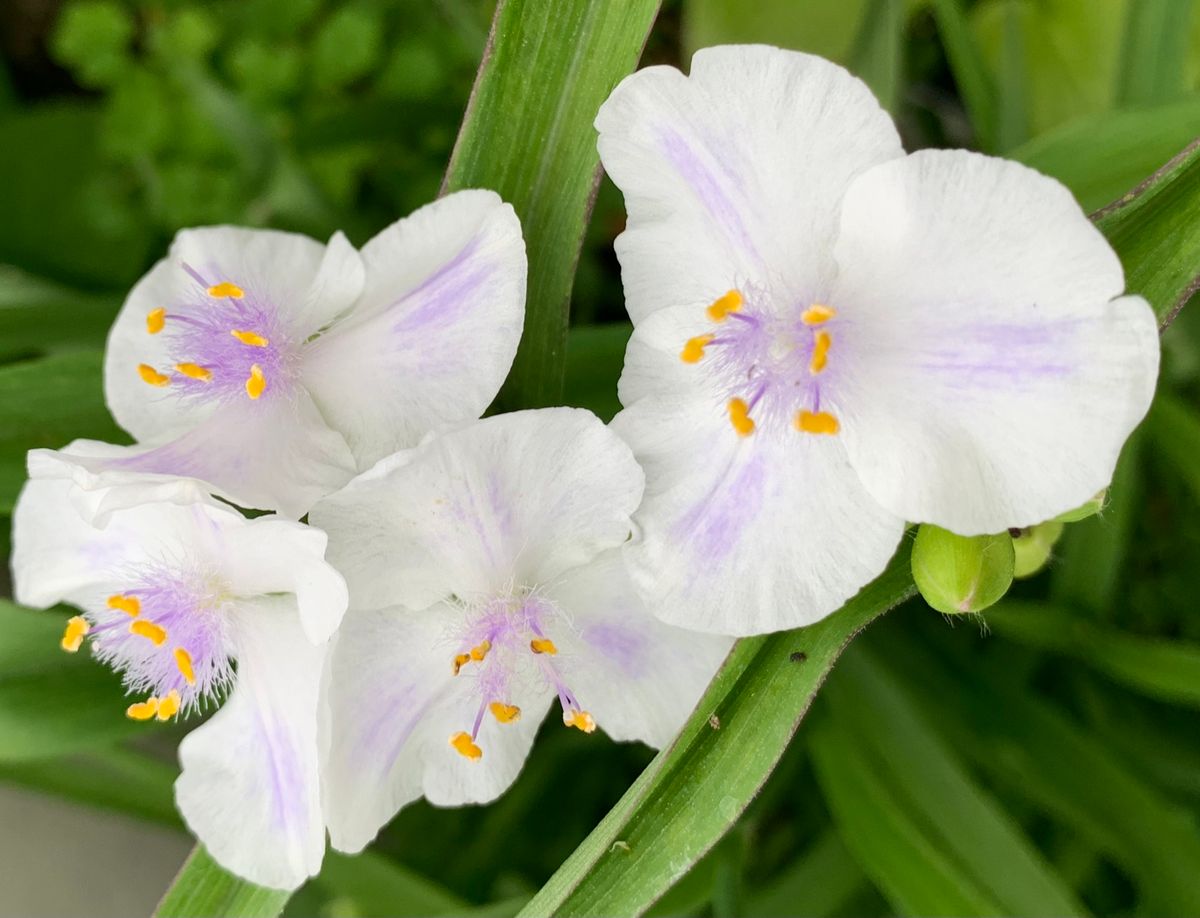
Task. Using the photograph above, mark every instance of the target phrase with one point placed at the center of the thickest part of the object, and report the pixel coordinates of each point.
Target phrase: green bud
(1033, 547)
(1082, 512)
(959, 574)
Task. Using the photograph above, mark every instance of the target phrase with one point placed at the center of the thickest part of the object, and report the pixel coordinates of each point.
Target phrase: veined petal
(733, 175)
(746, 535)
(991, 377)
(250, 787)
(519, 497)
(433, 335)
(639, 678)
(393, 705)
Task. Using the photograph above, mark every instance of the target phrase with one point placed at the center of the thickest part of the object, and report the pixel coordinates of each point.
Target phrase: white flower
(485, 582)
(832, 337)
(175, 590)
(275, 367)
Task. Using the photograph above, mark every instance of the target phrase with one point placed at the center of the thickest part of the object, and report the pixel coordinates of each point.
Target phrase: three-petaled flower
(485, 582)
(832, 338)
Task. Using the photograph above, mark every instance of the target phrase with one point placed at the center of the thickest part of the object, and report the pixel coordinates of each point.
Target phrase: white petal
(393, 706)
(732, 176)
(250, 787)
(272, 555)
(271, 454)
(434, 334)
(518, 498)
(747, 535)
(638, 677)
(990, 377)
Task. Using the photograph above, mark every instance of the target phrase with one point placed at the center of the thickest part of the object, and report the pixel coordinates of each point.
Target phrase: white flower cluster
(831, 338)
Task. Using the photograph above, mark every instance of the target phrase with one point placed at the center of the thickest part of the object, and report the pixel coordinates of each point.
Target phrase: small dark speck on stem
(798, 656)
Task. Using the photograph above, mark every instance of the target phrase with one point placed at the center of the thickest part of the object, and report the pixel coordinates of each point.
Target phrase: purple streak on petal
(1005, 353)
(712, 529)
(622, 643)
(288, 792)
(443, 297)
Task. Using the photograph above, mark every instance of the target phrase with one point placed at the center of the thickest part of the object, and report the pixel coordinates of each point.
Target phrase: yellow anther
(130, 605)
(465, 746)
(226, 289)
(194, 371)
(249, 338)
(152, 376)
(155, 320)
(169, 706)
(256, 383)
(505, 713)
(72, 638)
(693, 350)
(148, 630)
(580, 720)
(730, 302)
(543, 645)
(460, 661)
(817, 422)
(142, 710)
(817, 314)
(820, 352)
(183, 662)
(480, 650)
(739, 417)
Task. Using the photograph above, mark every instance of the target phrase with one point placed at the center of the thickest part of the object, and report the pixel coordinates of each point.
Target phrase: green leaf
(1155, 50)
(877, 55)
(39, 315)
(1174, 428)
(825, 27)
(975, 84)
(937, 800)
(1159, 668)
(203, 888)
(595, 354)
(823, 882)
(528, 135)
(378, 886)
(696, 788)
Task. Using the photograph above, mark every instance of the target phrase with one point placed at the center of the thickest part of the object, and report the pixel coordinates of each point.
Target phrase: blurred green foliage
(1043, 758)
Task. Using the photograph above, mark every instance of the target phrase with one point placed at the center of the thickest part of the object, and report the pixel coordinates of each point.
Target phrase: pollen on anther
(739, 417)
(226, 289)
(543, 645)
(256, 382)
(817, 314)
(142, 710)
(505, 713)
(820, 352)
(194, 371)
(465, 746)
(152, 632)
(693, 348)
(155, 320)
(249, 338)
(152, 376)
(183, 662)
(130, 605)
(480, 650)
(721, 308)
(168, 707)
(580, 720)
(817, 422)
(461, 660)
(72, 638)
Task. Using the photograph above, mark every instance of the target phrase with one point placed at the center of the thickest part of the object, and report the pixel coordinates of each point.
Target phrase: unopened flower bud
(1082, 512)
(959, 574)
(1033, 546)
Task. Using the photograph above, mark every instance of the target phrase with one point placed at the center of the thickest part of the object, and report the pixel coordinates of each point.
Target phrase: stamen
(194, 370)
(739, 417)
(152, 376)
(249, 338)
(505, 713)
(168, 707)
(155, 320)
(820, 354)
(480, 651)
(817, 314)
(465, 746)
(460, 661)
(693, 350)
(183, 662)
(580, 720)
(730, 302)
(72, 638)
(226, 289)
(817, 422)
(130, 605)
(148, 630)
(142, 710)
(543, 645)
(256, 383)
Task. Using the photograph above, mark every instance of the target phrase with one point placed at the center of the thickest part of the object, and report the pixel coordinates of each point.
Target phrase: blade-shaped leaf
(203, 888)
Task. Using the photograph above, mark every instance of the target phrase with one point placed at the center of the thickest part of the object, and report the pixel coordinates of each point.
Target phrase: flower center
(225, 341)
(165, 634)
(773, 367)
(507, 648)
